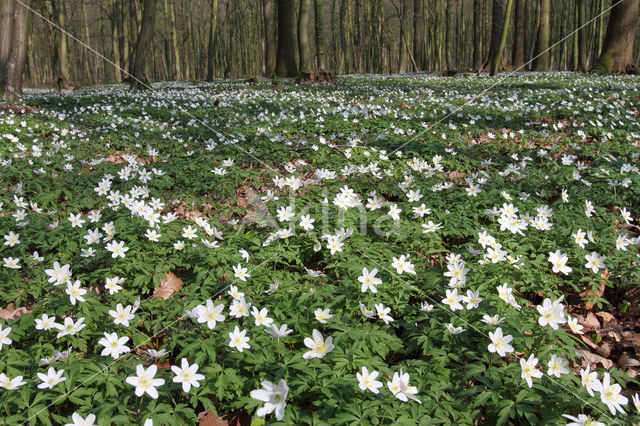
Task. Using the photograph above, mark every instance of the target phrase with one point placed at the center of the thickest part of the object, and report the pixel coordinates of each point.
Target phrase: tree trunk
(403, 37)
(133, 18)
(115, 49)
(304, 41)
(177, 65)
(319, 31)
(617, 50)
(583, 64)
(63, 52)
(211, 49)
(477, 35)
(541, 55)
(6, 36)
(519, 35)
(497, 22)
(17, 56)
(270, 42)
(496, 61)
(144, 50)
(286, 65)
(418, 31)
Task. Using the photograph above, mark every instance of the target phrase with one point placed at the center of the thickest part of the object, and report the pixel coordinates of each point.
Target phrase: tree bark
(496, 61)
(304, 41)
(617, 49)
(115, 49)
(519, 35)
(418, 33)
(211, 49)
(286, 65)
(62, 47)
(319, 32)
(270, 42)
(6, 36)
(144, 51)
(583, 64)
(477, 35)
(497, 21)
(18, 54)
(541, 54)
(133, 19)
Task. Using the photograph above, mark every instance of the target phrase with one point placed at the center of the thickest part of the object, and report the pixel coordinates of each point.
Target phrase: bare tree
(12, 85)
(304, 42)
(319, 32)
(496, 60)
(286, 65)
(211, 48)
(269, 37)
(543, 38)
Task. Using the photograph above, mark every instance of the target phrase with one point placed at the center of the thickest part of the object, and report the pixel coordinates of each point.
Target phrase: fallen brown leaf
(168, 286)
(590, 322)
(591, 359)
(12, 313)
(607, 319)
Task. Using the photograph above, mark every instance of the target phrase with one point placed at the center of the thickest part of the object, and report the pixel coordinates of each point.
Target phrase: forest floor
(472, 240)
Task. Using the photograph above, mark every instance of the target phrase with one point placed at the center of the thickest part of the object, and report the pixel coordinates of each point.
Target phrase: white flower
(113, 284)
(306, 222)
(394, 212)
(573, 325)
(187, 375)
(472, 299)
(318, 345)
(210, 314)
(11, 262)
(261, 316)
(334, 244)
(590, 380)
(122, 315)
(366, 312)
(431, 227)
(240, 272)
(285, 213)
(369, 280)
(4, 336)
(238, 339)
(383, 313)
(117, 249)
(274, 397)
(234, 292)
(10, 384)
(75, 292)
(239, 308)
(610, 395)
(453, 300)
(559, 261)
(402, 264)
(11, 239)
(76, 220)
(58, 274)
(144, 381)
(46, 323)
(557, 366)
(636, 401)
(114, 346)
(595, 262)
(529, 369)
(454, 330)
(78, 420)
(368, 380)
(69, 327)
(551, 313)
(189, 232)
(583, 420)
(51, 379)
(500, 343)
(277, 333)
(322, 315)
(399, 387)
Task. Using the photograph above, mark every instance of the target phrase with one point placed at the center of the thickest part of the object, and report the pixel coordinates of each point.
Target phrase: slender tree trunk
(519, 34)
(177, 65)
(62, 47)
(17, 56)
(304, 41)
(617, 50)
(125, 36)
(497, 23)
(477, 35)
(133, 19)
(211, 50)
(582, 36)
(541, 55)
(270, 42)
(6, 36)
(418, 31)
(286, 65)
(144, 51)
(496, 61)
(402, 12)
(319, 32)
(115, 50)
